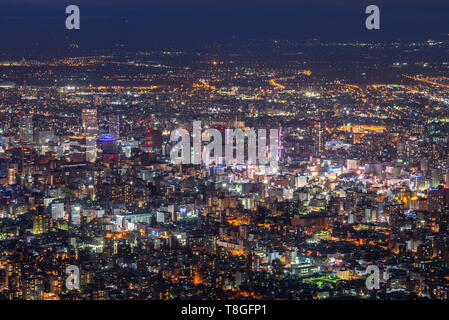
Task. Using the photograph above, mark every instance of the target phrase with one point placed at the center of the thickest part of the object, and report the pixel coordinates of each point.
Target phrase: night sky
(153, 24)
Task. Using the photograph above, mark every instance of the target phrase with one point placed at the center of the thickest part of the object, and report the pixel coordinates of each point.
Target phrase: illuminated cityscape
(362, 176)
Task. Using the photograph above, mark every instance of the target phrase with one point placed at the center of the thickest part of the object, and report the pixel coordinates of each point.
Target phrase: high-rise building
(114, 125)
(4, 166)
(90, 129)
(75, 215)
(434, 178)
(148, 142)
(89, 121)
(318, 138)
(41, 224)
(26, 128)
(12, 171)
(57, 211)
(33, 288)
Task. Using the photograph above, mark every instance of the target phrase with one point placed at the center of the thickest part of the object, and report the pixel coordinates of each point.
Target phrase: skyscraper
(26, 128)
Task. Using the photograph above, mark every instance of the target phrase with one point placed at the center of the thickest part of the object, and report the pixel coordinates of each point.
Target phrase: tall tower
(90, 130)
(26, 128)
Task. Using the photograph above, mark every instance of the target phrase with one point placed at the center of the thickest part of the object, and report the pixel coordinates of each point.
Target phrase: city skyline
(224, 151)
